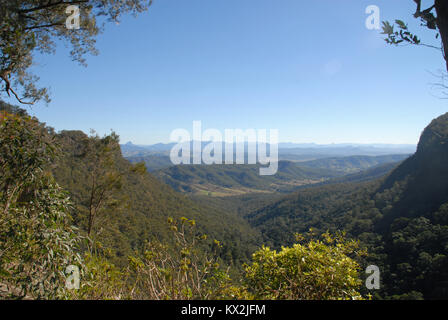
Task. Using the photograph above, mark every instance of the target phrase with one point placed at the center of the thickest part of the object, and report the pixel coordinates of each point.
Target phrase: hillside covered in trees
(222, 180)
(401, 218)
(79, 202)
(398, 218)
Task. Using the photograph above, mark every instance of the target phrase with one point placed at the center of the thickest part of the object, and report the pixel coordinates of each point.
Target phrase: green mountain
(231, 180)
(402, 218)
(153, 162)
(370, 174)
(144, 205)
(424, 176)
(353, 164)
(246, 204)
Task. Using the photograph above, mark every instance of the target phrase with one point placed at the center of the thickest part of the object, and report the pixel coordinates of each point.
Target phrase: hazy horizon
(292, 143)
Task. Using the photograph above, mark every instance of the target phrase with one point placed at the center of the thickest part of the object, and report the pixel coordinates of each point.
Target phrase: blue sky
(310, 69)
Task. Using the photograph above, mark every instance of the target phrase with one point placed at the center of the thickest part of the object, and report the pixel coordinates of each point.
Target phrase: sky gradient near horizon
(310, 69)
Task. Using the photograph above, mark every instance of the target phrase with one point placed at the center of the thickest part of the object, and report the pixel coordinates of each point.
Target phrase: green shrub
(37, 242)
(314, 270)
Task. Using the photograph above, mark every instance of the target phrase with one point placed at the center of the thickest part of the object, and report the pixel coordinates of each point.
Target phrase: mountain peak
(434, 136)
(424, 176)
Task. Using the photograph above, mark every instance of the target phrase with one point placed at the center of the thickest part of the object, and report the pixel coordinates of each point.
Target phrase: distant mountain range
(156, 157)
(291, 151)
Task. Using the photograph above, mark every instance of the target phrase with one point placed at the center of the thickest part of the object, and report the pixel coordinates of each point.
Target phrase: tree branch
(8, 89)
(45, 26)
(49, 5)
(430, 46)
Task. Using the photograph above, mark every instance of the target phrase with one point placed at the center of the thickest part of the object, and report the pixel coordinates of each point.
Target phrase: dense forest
(79, 200)
(401, 218)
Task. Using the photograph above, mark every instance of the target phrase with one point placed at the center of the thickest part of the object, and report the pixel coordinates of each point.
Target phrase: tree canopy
(28, 26)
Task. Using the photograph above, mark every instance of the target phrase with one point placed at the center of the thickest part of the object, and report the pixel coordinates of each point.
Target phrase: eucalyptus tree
(29, 26)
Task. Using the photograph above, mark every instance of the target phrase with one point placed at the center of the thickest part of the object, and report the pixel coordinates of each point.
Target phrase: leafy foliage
(104, 179)
(312, 271)
(37, 242)
(435, 17)
(34, 25)
(182, 271)
(397, 37)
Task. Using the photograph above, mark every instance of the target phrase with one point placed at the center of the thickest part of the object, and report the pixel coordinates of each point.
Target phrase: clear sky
(310, 69)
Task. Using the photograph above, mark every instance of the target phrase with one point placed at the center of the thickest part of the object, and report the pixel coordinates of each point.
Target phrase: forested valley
(85, 216)
(119, 211)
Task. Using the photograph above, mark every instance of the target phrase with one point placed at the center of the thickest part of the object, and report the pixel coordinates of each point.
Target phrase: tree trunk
(442, 25)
